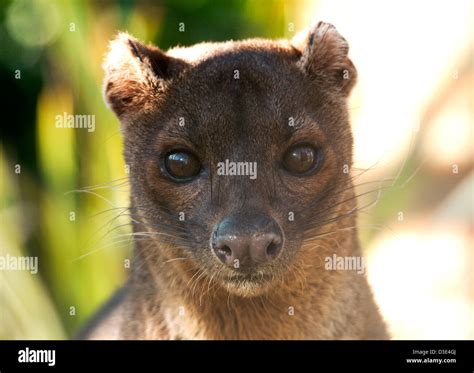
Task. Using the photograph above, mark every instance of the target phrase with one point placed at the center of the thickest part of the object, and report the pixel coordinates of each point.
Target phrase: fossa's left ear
(325, 57)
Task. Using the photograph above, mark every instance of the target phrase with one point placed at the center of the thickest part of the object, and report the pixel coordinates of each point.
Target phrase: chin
(247, 286)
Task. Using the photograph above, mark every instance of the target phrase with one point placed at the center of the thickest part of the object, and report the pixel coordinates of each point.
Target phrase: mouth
(254, 278)
(247, 285)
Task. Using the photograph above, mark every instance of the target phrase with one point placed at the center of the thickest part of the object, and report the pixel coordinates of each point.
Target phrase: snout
(245, 242)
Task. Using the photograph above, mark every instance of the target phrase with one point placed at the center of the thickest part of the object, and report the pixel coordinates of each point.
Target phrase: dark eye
(182, 165)
(301, 159)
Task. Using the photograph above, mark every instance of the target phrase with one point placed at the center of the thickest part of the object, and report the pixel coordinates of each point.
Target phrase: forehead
(259, 94)
(242, 76)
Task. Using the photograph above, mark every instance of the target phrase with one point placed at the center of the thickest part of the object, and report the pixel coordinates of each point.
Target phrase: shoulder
(106, 323)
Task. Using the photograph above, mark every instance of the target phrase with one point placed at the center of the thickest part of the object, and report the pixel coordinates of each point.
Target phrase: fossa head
(236, 149)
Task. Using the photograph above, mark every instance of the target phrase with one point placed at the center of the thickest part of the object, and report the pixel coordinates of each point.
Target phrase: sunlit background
(412, 114)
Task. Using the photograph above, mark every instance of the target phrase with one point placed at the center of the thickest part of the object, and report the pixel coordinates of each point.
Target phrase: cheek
(164, 192)
(186, 205)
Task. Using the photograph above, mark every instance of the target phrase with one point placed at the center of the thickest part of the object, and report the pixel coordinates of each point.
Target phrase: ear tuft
(325, 56)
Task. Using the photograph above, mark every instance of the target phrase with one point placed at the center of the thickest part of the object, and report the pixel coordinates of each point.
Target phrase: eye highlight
(301, 159)
(182, 165)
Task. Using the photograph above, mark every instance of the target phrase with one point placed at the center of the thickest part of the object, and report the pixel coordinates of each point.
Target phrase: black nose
(243, 241)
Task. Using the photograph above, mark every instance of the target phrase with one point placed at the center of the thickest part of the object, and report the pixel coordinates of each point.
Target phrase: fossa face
(238, 151)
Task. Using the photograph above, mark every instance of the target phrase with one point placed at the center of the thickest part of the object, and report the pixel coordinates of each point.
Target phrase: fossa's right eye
(182, 165)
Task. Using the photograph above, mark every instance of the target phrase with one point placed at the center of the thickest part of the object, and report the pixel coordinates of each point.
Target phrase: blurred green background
(62, 190)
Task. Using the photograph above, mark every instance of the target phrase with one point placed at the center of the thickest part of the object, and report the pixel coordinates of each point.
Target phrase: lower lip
(253, 279)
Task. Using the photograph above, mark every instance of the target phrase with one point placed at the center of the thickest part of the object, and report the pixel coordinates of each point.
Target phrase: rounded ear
(325, 56)
(135, 74)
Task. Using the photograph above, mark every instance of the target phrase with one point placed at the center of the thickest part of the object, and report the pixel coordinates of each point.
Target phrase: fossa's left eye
(301, 159)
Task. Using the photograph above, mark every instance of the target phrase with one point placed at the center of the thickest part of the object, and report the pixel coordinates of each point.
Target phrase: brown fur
(178, 290)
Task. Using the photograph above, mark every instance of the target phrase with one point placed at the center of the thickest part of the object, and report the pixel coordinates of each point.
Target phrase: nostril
(273, 249)
(225, 250)
(247, 242)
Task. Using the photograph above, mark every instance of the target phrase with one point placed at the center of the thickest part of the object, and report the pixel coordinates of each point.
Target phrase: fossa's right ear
(136, 75)
(324, 57)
